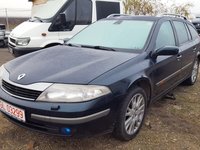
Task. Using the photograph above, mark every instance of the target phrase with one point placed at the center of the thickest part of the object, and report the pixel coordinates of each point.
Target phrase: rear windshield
(125, 35)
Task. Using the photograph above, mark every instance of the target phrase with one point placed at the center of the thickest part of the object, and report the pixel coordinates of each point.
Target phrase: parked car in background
(7, 33)
(103, 79)
(2, 34)
(196, 23)
(66, 18)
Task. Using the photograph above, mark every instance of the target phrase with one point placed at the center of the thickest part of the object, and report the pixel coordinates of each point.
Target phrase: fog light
(66, 131)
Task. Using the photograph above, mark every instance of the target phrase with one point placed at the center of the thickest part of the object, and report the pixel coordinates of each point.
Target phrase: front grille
(20, 92)
(12, 40)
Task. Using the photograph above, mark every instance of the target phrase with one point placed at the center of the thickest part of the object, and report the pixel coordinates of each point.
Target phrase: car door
(187, 46)
(165, 72)
(78, 16)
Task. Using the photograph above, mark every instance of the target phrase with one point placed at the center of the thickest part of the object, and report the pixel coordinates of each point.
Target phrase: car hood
(29, 29)
(64, 64)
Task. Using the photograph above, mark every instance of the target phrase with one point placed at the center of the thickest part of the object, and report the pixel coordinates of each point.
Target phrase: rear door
(187, 48)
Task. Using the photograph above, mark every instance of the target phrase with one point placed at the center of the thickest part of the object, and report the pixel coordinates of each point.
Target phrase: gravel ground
(173, 125)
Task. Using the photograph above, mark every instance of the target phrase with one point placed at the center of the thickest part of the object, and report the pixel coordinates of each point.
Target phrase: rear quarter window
(193, 32)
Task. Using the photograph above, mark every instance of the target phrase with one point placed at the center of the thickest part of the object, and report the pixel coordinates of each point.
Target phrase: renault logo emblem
(21, 76)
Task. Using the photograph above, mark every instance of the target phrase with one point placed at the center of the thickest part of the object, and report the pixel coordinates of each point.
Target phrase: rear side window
(193, 32)
(104, 9)
(181, 32)
(165, 36)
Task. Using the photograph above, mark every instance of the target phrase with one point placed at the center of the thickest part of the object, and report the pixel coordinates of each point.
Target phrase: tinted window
(104, 9)
(2, 27)
(84, 12)
(181, 32)
(165, 36)
(188, 32)
(193, 32)
(127, 35)
(70, 15)
(78, 12)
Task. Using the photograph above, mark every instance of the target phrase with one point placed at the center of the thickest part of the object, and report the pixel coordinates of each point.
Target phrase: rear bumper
(82, 119)
(21, 51)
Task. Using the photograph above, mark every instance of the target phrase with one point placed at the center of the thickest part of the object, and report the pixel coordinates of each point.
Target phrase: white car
(2, 34)
(53, 21)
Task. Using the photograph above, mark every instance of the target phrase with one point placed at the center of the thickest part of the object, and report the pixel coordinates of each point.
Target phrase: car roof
(145, 18)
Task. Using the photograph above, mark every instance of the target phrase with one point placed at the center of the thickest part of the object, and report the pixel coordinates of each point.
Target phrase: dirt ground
(173, 125)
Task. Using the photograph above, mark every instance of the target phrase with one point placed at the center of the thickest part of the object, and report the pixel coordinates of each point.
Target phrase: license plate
(12, 111)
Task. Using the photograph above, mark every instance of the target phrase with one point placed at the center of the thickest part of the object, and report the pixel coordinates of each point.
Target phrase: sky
(23, 7)
(194, 10)
(19, 8)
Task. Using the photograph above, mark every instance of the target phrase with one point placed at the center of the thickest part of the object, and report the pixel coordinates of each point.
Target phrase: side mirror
(63, 19)
(165, 51)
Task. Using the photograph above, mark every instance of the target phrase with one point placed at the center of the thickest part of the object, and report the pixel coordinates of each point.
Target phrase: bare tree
(183, 9)
(155, 7)
(138, 7)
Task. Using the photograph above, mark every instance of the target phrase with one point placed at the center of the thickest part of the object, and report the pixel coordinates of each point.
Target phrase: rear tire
(194, 75)
(131, 114)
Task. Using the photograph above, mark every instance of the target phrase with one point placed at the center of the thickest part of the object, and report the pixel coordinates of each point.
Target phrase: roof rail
(174, 15)
(117, 15)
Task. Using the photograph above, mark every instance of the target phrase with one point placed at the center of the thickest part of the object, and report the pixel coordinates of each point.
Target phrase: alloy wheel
(195, 71)
(134, 114)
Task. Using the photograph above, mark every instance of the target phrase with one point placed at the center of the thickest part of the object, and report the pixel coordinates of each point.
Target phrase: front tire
(194, 75)
(131, 114)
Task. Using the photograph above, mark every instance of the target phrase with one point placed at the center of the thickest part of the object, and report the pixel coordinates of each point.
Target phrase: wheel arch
(145, 84)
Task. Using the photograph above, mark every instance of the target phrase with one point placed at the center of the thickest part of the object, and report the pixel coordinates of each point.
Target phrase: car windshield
(124, 35)
(45, 9)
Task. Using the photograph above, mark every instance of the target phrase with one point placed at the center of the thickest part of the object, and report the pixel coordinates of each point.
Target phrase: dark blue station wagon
(103, 79)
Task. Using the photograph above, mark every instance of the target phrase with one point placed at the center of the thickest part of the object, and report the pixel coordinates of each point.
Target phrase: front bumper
(83, 119)
(18, 51)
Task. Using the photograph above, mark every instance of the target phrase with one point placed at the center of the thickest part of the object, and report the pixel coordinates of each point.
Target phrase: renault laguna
(103, 79)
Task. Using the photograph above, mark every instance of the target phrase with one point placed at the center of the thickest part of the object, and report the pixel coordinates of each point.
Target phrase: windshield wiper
(38, 18)
(104, 48)
(99, 47)
(72, 45)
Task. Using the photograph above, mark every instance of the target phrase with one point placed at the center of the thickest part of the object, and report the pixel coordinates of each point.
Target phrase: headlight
(72, 93)
(1, 73)
(22, 41)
